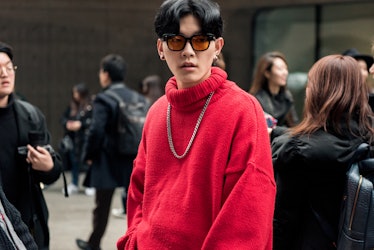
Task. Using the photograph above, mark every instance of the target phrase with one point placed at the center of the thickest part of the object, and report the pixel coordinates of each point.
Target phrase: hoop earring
(215, 59)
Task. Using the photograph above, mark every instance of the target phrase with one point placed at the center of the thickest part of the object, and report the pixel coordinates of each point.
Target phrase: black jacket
(31, 199)
(281, 107)
(109, 169)
(310, 174)
(84, 116)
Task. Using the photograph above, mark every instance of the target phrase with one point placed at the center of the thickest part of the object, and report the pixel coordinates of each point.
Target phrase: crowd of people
(211, 171)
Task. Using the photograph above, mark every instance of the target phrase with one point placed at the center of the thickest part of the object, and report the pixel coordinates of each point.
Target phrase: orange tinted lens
(176, 42)
(200, 42)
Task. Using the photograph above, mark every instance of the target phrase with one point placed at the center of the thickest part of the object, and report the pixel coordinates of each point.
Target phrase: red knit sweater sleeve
(245, 219)
(134, 209)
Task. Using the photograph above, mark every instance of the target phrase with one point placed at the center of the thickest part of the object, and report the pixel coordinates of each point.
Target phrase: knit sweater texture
(221, 195)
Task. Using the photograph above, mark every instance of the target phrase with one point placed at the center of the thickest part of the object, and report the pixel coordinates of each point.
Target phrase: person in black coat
(108, 169)
(311, 160)
(26, 158)
(269, 86)
(76, 120)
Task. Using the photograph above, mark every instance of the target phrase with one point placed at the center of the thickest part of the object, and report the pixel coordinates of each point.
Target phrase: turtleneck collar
(180, 98)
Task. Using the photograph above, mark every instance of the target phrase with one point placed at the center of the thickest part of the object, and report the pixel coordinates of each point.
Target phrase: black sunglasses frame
(210, 37)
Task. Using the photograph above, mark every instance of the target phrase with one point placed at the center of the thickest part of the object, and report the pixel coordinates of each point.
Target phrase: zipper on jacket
(355, 203)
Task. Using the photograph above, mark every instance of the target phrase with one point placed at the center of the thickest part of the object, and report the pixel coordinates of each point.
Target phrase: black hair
(115, 65)
(171, 11)
(7, 49)
(82, 89)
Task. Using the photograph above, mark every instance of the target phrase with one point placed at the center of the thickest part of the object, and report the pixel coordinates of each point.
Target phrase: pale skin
(277, 77)
(39, 158)
(363, 68)
(190, 67)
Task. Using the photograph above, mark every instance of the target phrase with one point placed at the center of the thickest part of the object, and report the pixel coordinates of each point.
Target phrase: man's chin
(5, 92)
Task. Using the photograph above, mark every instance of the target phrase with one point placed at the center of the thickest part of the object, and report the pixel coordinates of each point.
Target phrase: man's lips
(5, 82)
(187, 65)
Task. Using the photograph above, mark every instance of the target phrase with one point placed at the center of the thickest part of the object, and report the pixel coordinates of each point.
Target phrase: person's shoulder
(102, 97)
(283, 139)
(160, 104)
(26, 108)
(286, 147)
(233, 89)
(262, 96)
(235, 97)
(24, 104)
(288, 95)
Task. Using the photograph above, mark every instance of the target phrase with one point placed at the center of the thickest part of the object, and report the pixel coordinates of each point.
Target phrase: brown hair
(152, 88)
(336, 92)
(84, 98)
(265, 63)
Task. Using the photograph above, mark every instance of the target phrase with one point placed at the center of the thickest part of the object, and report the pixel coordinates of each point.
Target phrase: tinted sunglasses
(178, 42)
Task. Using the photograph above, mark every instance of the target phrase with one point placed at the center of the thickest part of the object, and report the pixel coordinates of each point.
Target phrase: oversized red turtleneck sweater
(221, 194)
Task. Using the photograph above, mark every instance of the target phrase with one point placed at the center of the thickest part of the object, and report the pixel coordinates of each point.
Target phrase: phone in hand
(270, 120)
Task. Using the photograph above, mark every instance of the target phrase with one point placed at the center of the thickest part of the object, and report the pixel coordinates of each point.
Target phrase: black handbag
(356, 226)
(66, 144)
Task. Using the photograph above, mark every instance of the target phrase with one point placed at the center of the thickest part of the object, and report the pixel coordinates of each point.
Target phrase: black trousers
(103, 200)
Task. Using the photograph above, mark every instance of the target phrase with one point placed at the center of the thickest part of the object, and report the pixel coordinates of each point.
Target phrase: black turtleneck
(8, 150)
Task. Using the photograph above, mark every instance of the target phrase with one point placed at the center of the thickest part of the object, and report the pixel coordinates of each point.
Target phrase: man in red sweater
(203, 176)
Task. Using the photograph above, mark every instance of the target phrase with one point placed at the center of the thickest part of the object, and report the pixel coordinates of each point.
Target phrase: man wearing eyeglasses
(26, 158)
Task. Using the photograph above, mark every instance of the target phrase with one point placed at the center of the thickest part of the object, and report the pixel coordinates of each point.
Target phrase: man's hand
(39, 158)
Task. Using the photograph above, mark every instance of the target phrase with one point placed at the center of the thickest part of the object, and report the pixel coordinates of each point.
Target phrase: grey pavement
(71, 218)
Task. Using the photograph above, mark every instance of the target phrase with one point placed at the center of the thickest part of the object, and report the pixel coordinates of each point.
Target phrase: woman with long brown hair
(269, 86)
(311, 160)
(75, 120)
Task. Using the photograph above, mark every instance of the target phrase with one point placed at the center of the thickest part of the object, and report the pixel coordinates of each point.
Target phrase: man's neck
(4, 101)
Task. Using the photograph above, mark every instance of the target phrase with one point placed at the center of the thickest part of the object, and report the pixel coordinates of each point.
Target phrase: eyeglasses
(9, 69)
(178, 42)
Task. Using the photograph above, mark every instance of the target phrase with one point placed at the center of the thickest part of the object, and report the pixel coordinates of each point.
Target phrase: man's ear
(219, 42)
(160, 49)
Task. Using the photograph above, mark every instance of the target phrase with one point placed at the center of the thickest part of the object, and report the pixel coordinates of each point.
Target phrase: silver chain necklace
(170, 137)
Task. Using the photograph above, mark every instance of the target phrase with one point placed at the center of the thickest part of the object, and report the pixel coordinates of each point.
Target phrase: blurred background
(59, 43)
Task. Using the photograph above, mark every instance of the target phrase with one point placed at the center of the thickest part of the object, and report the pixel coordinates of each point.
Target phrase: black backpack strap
(35, 119)
(362, 152)
(30, 110)
(110, 92)
(116, 97)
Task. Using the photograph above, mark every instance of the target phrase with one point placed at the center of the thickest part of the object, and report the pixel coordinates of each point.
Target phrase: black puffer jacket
(310, 173)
